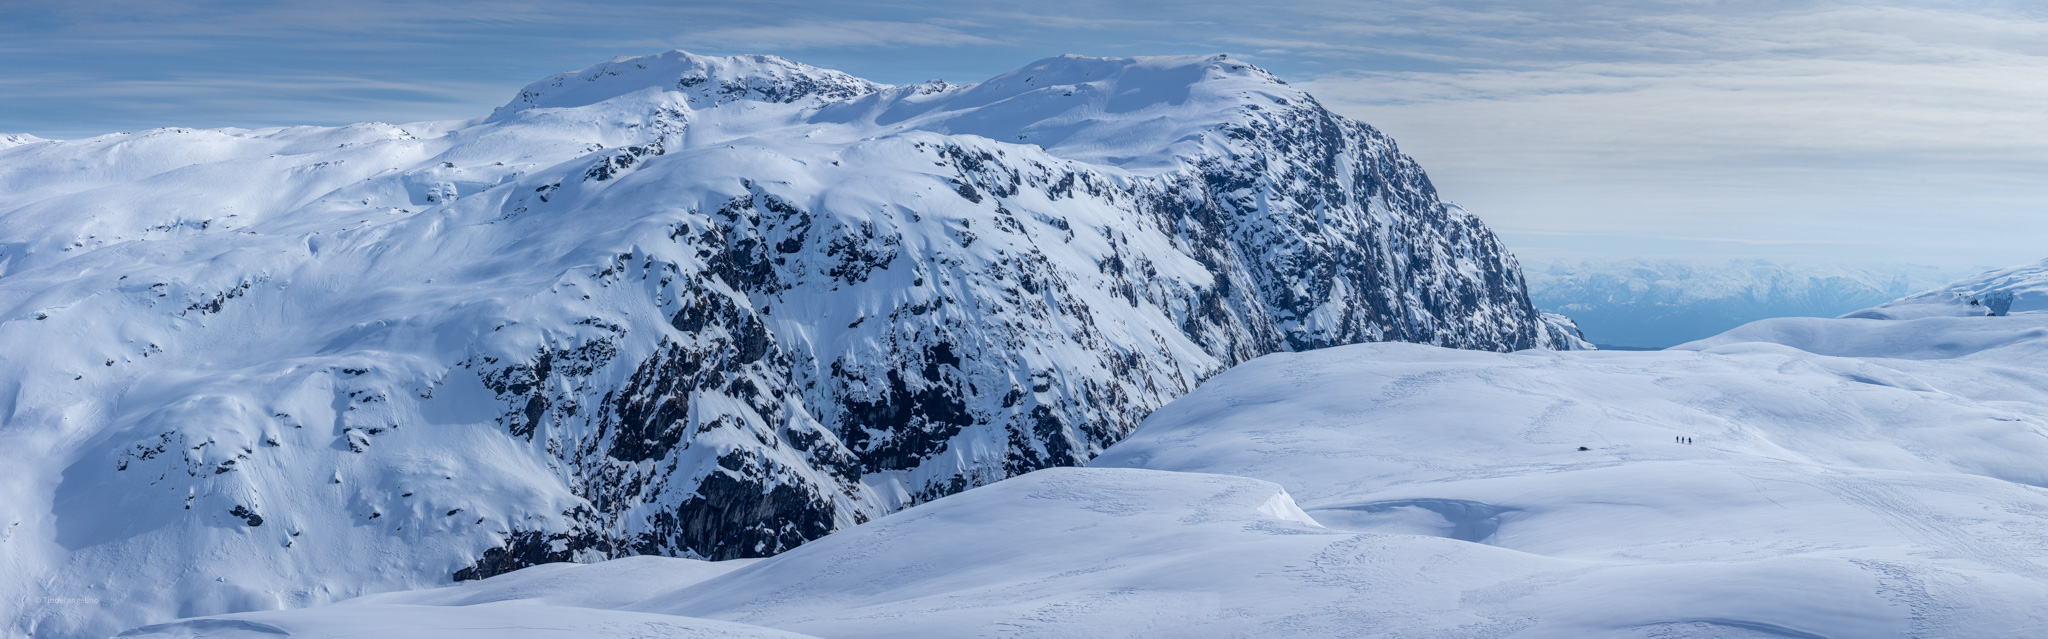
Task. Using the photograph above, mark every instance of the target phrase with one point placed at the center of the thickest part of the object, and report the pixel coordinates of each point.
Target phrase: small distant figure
(1688, 441)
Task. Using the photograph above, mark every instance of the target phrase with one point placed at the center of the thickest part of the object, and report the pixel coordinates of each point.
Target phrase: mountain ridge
(1658, 303)
(646, 325)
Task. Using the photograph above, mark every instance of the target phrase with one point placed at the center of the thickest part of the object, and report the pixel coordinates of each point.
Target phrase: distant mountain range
(1645, 303)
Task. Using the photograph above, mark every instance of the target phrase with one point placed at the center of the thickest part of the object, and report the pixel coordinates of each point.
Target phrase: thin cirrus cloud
(1818, 133)
(1910, 128)
(1737, 108)
(835, 34)
(261, 100)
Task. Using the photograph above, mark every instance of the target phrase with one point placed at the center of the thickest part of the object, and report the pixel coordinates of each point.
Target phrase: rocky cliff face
(677, 305)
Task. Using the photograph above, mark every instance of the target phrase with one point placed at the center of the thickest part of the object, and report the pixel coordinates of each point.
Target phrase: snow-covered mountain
(2017, 289)
(1656, 303)
(1797, 477)
(670, 305)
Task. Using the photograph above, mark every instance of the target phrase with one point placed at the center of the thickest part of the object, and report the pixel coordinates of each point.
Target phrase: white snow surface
(553, 600)
(1846, 478)
(512, 620)
(2024, 288)
(246, 370)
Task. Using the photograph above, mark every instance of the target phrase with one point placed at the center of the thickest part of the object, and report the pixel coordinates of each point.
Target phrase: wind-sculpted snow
(1876, 488)
(672, 305)
(512, 620)
(566, 601)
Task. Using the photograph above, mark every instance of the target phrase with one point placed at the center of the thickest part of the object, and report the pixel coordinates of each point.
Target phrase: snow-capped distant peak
(1138, 73)
(707, 80)
(17, 139)
(1173, 86)
(2017, 289)
(1144, 114)
(1656, 303)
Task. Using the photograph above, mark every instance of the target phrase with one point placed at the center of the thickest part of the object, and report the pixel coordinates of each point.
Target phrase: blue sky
(1816, 131)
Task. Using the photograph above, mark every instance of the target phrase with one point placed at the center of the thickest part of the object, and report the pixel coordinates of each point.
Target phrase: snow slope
(1887, 485)
(1873, 486)
(515, 620)
(1997, 292)
(669, 305)
(1656, 303)
(553, 600)
(1920, 326)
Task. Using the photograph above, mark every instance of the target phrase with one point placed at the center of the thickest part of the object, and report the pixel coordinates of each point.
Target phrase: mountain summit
(703, 81)
(678, 305)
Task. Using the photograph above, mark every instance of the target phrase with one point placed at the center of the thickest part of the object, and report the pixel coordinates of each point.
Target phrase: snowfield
(1845, 478)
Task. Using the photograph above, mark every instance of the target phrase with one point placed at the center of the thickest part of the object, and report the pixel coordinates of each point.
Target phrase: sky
(1832, 132)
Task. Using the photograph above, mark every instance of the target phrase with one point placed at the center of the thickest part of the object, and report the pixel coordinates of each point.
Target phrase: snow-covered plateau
(1807, 478)
(675, 305)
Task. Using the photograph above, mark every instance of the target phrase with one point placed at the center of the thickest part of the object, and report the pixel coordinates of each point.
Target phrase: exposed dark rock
(248, 516)
(740, 432)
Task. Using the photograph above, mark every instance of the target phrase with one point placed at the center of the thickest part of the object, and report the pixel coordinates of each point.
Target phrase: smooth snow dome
(1879, 488)
(1845, 493)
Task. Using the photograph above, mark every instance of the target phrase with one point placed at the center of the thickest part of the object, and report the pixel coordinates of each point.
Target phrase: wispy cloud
(1895, 123)
(1817, 126)
(1841, 107)
(254, 101)
(833, 34)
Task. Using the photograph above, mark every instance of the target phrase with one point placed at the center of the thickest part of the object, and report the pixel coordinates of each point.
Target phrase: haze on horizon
(1796, 131)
